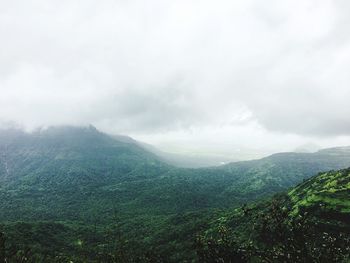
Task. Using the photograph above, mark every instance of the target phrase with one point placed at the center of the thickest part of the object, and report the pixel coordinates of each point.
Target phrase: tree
(2, 247)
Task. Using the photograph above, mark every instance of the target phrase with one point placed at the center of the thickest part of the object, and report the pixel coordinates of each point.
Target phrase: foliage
(274, 231)
(77, 194)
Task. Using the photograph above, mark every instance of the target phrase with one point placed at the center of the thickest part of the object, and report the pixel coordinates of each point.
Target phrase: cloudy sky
(238, 78)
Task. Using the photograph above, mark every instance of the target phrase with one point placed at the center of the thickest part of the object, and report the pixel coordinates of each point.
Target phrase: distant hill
(280, 171)
(48, 173)
(90, 183)
(55, 172)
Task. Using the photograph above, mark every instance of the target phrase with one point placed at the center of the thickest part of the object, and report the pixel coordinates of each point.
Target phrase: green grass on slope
(310, 223)
(328, 192)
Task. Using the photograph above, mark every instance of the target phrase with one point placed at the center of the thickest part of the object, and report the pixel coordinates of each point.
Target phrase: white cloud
(267, 75)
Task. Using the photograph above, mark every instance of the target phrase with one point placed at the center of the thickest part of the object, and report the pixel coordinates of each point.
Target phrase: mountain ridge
(84, 161)
(67, 178)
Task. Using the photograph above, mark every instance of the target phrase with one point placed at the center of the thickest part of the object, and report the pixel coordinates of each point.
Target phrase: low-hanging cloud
(144, 67)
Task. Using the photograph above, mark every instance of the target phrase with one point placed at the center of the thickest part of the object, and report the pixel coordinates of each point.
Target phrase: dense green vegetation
(310, 223)
(78, 194)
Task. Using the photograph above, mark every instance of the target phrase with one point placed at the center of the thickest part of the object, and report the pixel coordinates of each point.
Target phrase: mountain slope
(278, 172)
(94, 186)
(326, 196)
(63, 171)
(309, 223)
(74, 172)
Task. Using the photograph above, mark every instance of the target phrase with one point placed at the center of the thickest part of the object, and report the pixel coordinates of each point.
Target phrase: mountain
(326, 197)
(63, 169)
(69, 147)
(92, 186)
(280, 171)
(309, 223)
(83, 170)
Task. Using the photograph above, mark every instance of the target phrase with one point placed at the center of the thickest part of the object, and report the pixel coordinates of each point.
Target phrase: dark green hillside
(96, 187)
(66, 172)
(310, 223)
(73, 172)
(283, 170)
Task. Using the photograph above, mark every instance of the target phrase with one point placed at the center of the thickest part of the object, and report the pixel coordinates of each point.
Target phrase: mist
(239, 78)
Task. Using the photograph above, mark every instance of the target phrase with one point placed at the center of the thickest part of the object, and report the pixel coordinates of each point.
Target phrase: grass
(331, 191)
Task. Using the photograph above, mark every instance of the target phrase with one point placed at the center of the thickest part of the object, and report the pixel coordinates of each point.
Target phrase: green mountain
(52, 173)
(326, 196)
(309, 223)
(83, 170)
(71, 191)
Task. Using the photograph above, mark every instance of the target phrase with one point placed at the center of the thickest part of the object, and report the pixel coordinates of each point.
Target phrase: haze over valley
(174, 131)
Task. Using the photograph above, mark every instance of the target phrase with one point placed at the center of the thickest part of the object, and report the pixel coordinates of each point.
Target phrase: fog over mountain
(240, 79)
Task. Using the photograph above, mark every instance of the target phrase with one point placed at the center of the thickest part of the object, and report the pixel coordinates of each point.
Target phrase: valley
(75, 193)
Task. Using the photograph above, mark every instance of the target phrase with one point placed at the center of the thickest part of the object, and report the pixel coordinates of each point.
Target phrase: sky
(240, 78)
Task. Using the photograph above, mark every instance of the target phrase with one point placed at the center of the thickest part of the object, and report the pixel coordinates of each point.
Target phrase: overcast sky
(240, 78)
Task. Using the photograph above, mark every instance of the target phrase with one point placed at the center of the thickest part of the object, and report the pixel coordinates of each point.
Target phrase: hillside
(309, 223)
(67, 185)
(83, 170)
(326, 196)
(52, 173)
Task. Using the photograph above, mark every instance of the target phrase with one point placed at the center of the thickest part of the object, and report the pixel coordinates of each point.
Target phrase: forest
(76, 194)
(186, 131)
